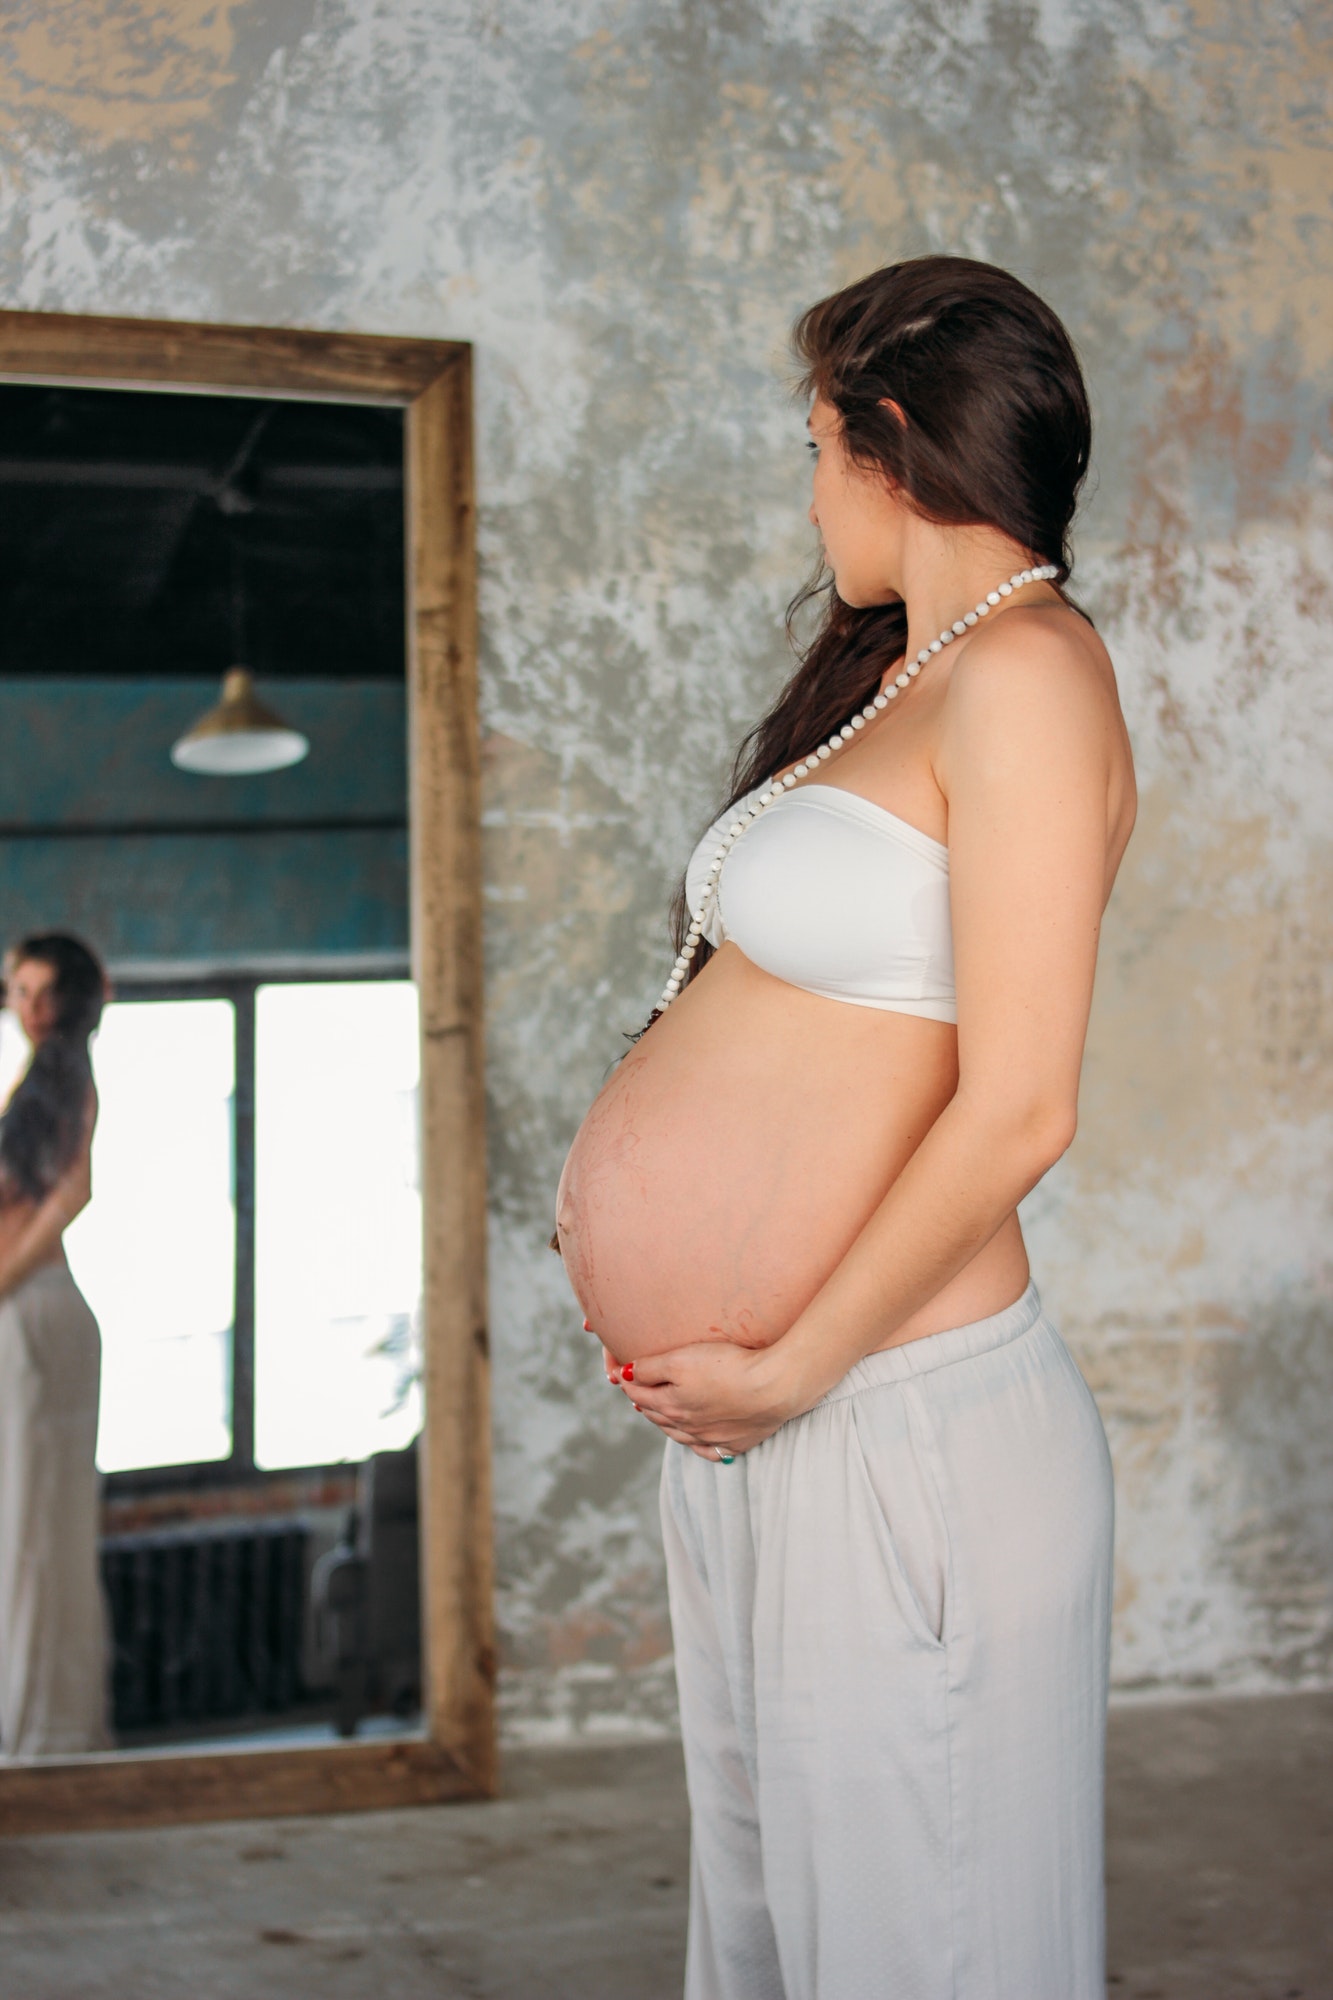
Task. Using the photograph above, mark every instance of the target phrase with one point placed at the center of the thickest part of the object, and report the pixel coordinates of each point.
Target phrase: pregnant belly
(736, 1153)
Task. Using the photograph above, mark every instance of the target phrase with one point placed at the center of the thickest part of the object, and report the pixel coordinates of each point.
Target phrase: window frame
(240, 988)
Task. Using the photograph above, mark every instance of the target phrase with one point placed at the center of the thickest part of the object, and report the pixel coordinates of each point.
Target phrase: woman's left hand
(718, 1398)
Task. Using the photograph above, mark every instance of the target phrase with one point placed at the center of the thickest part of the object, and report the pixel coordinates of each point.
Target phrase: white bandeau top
(838, 896)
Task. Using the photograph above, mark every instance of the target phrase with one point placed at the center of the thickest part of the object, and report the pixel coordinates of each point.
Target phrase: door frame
(454, 1755)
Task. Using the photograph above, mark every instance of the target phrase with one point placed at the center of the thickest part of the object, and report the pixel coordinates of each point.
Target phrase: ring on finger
(724, 1457)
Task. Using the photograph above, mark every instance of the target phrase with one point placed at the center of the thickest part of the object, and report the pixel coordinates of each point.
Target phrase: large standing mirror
(238, 741)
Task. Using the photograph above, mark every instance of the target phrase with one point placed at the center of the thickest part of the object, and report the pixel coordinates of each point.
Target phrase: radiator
(206, 1621)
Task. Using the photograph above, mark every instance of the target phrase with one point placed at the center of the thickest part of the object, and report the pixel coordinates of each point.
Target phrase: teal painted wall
(100, 834)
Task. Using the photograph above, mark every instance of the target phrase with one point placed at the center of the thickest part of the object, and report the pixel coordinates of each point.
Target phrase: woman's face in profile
(858, 518)
(31, 992)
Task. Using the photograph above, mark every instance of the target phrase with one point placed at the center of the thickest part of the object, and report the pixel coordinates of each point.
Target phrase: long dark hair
(42, 1128)
(998, 434)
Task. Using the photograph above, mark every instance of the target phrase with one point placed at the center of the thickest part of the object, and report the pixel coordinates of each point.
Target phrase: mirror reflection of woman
(53, 1649)
(791, 1215)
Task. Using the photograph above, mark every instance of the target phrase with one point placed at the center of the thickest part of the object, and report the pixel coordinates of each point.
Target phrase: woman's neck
(948, 571)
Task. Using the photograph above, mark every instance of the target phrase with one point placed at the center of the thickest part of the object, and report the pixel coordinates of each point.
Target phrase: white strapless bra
(838, 896)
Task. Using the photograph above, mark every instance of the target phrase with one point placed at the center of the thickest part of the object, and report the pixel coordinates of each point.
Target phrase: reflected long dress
(53, 1625)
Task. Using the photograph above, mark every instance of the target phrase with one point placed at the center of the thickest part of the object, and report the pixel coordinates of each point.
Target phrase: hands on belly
(715, 1396)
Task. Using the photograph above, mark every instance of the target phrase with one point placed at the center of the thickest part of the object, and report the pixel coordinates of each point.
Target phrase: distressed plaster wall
(623, 205)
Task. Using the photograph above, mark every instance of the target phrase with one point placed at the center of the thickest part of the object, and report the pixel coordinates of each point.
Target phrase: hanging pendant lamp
(239, 737)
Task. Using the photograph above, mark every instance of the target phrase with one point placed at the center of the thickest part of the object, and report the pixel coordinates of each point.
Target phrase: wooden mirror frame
(454, 1756)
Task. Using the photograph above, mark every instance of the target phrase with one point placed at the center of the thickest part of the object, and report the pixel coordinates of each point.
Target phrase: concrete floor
(572, 1886)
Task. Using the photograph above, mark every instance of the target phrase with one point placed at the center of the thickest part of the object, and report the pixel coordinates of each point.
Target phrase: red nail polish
(587, 1326)
(627, 1372)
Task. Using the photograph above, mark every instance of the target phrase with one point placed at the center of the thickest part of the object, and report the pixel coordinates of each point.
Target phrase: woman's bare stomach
(14, 1219)
(737, 1152)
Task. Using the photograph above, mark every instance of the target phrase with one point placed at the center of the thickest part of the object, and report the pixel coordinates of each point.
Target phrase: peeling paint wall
(623, 205)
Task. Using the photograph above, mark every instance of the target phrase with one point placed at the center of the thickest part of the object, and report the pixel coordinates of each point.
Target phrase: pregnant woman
(791, 1213)
(53, 1680)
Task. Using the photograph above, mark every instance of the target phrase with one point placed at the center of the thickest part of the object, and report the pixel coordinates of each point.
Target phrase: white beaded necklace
(777, 787)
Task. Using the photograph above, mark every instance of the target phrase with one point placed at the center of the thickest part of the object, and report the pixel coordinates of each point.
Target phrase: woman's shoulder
(1039, 666)
(1031, 645)
(1037, 684)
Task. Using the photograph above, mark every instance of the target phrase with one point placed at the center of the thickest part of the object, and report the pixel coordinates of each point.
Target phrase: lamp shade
(240, 736)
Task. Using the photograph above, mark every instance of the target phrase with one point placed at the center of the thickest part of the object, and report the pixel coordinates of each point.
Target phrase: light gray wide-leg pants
(892, 1625)
(53, 1649)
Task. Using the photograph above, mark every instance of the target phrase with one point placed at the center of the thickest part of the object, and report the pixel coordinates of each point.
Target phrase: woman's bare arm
(40, 1236)
(1032, 758)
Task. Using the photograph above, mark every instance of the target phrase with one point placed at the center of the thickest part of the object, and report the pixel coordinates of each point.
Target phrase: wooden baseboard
(120, 1789)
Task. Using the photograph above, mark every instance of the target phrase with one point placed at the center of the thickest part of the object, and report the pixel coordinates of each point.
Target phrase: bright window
(155, 1252)
(337, 1221)
(324, 1323)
